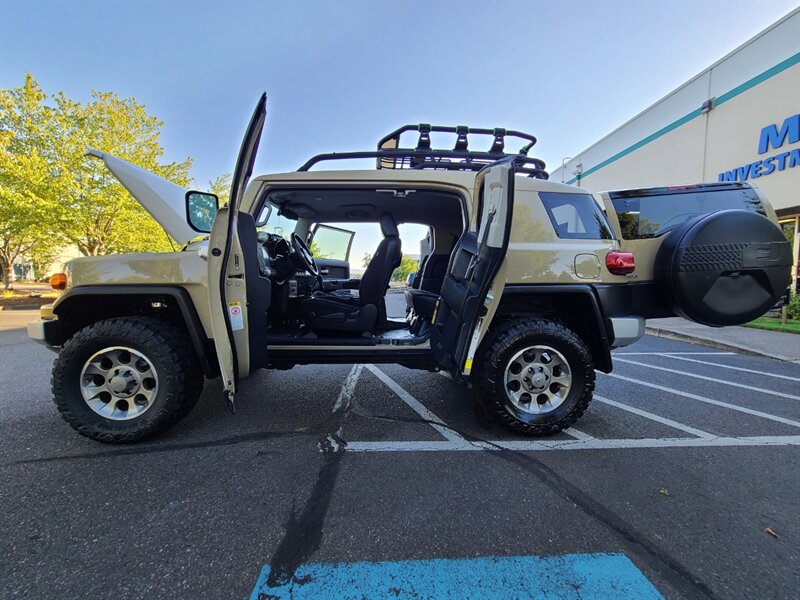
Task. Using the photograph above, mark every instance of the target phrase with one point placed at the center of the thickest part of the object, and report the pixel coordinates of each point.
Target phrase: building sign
(775, 137)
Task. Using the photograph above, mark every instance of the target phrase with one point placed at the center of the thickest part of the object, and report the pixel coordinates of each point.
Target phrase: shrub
(794, 306)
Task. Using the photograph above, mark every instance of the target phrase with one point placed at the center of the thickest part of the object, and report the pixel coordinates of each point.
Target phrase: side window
(331, 242)
(576, 216)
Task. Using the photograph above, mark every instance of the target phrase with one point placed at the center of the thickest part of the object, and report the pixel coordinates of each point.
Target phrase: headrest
(388, 226)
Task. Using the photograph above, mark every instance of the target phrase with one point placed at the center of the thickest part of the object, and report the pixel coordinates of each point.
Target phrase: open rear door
(475, 261)
(238, 293)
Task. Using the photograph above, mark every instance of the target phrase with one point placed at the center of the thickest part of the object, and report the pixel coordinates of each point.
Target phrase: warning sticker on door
(235, 313)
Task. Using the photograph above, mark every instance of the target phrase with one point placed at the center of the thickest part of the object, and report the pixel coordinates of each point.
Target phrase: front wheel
(124, 379)
(536, 376)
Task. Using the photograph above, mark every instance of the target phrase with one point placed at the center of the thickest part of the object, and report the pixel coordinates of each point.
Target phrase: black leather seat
(422, 302)
(328, 312)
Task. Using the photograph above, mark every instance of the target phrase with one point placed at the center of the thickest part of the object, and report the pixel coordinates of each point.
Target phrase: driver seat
(328, 312)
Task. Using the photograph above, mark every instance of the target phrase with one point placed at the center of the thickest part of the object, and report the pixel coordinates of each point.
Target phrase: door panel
(331, 268)
(234, 280)
(474, 263)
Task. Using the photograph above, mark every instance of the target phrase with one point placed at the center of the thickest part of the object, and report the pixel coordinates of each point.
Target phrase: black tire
(180, 378)
(503, 344)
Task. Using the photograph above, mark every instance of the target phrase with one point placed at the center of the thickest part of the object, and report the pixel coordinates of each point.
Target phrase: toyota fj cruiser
(524, 285)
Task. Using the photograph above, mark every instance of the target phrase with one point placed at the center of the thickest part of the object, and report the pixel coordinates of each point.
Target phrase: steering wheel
(302, 250)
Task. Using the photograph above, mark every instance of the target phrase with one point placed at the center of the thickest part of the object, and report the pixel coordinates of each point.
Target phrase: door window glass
(332, 243)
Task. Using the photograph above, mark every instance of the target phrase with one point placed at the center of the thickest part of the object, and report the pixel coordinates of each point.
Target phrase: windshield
(270, 221)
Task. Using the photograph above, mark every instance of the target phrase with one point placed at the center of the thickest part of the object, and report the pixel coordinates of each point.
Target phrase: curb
(21, 307)
(685, 337)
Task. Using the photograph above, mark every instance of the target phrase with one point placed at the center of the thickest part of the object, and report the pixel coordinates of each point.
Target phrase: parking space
(681, 480)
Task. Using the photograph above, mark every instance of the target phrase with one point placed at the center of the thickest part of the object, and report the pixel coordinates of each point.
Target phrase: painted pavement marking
(348, 387)
(654, 417)
(415, 405)
(578, 434)
(715, 364)
(689, 395)
(594, 444)
(714, 379)
(682, 353)
(571, 576)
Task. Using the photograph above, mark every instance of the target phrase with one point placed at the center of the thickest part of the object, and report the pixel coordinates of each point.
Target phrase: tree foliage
(407, 266)
(25, 200)
(221, 188)
(52, 195)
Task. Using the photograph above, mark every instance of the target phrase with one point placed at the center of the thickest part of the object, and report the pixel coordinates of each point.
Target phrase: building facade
(739, 120)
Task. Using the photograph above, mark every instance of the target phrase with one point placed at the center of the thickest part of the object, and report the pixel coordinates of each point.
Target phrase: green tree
(26, 202)
(407, 265)
(221, 188)
(98, 215)
(366, 260)
(80, 203)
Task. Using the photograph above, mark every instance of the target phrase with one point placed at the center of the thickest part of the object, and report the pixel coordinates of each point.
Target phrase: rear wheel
(124, 379)
(536, 377)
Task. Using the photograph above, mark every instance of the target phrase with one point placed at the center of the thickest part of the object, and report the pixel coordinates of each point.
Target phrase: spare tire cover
(724, 268)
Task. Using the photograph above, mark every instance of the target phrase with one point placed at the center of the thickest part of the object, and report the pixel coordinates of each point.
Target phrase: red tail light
(620, 263)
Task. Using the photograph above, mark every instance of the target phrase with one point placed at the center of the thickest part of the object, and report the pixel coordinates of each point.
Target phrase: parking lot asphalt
(683, 473)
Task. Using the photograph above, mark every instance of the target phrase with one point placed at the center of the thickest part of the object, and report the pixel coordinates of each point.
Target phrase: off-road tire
(167, 348)
(499, 348)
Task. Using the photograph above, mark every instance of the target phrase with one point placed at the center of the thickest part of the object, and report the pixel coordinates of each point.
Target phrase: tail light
(58, 281)
(620, 263)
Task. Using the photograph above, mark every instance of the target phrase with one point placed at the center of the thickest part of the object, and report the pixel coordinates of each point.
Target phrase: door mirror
(201, 208)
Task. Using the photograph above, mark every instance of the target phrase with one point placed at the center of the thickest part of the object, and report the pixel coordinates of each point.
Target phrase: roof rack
(390, 155)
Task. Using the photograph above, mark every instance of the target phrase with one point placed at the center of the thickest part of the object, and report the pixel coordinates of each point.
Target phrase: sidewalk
(772, 344)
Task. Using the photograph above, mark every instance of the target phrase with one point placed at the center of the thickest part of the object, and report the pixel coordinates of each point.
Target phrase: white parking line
(415, 405)
(687, 353)
(577, 434)
(714, 364)
(653, 417)
(714, 379)
(594, 444)
(348, 387)
(691, 396)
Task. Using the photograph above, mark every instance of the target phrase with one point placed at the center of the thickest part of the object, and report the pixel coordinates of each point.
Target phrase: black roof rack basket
(391, 155)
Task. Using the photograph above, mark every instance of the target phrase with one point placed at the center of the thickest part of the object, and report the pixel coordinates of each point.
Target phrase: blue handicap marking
(584, 576)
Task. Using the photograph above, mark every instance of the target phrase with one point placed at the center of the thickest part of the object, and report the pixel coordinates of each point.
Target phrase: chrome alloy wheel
(537, 379)
(119, 383)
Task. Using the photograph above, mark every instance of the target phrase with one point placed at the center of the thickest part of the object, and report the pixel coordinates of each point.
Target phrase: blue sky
(339, 75)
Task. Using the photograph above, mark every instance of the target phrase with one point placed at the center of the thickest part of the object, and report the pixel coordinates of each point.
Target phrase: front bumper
(47, 329)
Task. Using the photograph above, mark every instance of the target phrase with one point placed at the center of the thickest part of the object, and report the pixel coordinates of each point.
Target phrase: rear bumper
(626, 330)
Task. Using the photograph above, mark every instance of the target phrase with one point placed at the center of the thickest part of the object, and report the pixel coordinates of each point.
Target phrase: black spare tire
(724, 268)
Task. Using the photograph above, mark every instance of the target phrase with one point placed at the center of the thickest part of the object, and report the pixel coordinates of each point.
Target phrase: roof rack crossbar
(434, 159)
(391, 155)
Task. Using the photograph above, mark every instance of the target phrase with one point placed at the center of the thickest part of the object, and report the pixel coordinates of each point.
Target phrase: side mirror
(201, 208)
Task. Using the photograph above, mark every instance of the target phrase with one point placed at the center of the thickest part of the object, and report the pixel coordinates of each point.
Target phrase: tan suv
(523, 289)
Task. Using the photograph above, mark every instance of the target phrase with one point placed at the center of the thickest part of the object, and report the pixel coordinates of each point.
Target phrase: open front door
(475, 261)
(238, 293)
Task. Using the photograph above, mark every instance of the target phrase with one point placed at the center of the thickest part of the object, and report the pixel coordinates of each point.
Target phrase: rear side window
(576, 216)
(653, 215)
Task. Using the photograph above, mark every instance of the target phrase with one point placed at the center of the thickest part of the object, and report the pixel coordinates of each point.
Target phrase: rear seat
(421, 302)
